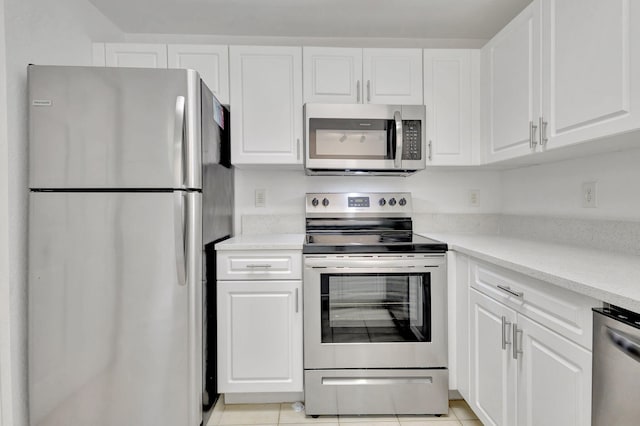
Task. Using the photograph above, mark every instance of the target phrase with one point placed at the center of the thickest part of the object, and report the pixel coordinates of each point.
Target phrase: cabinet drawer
(250, 265)
(563, 311)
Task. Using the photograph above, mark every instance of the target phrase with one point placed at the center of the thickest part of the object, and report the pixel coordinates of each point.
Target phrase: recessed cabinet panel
(554, 382)
(492, 367)
(332, 75)
(512, 74)
(211, 62)
(451, 106)
(393, 76)
(266, 95)
(259, 336)
(136, 55)
(590, 69)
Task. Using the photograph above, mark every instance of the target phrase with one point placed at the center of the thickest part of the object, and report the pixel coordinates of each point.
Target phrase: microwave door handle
(398, 158)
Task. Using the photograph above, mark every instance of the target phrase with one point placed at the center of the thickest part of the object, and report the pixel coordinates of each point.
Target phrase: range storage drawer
(561, 310)
(259, 265)
(352, 392)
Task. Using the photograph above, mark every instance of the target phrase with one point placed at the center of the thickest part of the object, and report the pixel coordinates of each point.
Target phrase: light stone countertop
(604, 275)
(263, 242)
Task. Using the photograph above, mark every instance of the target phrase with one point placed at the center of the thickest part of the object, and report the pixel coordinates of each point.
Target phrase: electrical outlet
(261, 197)
(589, 193)
(474, 197)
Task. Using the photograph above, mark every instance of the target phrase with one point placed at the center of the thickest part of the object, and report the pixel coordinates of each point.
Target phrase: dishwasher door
(616, 367)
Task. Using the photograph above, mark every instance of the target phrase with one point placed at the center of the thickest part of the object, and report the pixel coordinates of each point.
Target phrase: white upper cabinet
(266, 99)
(332, 75)
(591, 69)
(353, 75)
(392, 76)
(136, 55)
(451, 95)
(511, 83)
(211, 62)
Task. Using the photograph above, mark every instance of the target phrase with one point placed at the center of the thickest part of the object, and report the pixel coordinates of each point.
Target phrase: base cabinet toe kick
(397, 391)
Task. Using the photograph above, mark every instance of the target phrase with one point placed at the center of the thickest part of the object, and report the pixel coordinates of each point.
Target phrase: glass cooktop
(405, 242)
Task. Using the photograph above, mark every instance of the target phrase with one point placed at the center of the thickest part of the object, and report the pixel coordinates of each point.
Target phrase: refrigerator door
(114, 330)
(92, 127)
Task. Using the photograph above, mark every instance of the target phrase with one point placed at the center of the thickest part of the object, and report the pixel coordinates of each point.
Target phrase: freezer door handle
(178, 140)
(179, 223)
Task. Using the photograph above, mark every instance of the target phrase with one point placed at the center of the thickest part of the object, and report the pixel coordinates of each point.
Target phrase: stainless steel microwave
(342, 139)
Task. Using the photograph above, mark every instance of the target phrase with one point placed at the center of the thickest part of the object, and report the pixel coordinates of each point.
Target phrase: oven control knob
(402, 202)
(315, 202)
(392, 201)
(325, 202)
(382, 201)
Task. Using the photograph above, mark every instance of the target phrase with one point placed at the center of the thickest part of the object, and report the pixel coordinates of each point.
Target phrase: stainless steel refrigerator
(129, 180)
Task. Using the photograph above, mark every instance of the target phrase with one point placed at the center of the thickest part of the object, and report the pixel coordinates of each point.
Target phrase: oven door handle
(371, 263)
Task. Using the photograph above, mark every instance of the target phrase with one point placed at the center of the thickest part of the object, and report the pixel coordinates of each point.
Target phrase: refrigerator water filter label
(41, 102)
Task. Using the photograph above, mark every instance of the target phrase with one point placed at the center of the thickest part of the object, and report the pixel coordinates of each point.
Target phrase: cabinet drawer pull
(511, 292)
(505, 324)
(256, 266)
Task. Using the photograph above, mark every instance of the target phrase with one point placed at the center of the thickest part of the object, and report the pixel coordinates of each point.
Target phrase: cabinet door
(392, 76)
(332, 75)
(266, 94)
(554, 379)
(136, 55)
(591, 62)
(449, 89)
(259, 336)
(511, 76)
(211, 62)
(492, 368)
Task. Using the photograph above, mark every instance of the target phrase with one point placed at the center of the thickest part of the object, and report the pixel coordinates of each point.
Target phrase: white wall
(555, 189)
(40, 32)
(436, 191)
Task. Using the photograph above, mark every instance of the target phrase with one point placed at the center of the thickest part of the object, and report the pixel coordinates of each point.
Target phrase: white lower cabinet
(259, 336)
(522, 372)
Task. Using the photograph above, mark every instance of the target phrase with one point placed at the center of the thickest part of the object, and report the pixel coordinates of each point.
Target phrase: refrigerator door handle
(179, 222)
(178, 140)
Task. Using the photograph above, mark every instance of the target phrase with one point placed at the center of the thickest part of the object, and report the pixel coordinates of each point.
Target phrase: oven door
(375, 311)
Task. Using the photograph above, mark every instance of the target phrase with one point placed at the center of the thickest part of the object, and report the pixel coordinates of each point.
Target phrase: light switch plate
(261, 197)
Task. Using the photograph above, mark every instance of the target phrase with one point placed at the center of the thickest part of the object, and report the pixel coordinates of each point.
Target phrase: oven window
(358, 308)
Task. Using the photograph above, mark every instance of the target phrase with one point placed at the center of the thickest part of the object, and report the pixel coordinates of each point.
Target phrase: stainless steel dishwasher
(616, 367)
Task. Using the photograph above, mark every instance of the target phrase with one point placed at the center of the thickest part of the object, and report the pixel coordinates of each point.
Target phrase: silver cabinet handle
(256, 266)
(430, 150)
(397, 116)
(505, 324)
(297, 309)
(514, 342)
(179, 223)
(298, 148)
(543, 132)
(368, 91)
(625, 343)
(532, 135)
(358, 91)
(510, 291)
(178, 141)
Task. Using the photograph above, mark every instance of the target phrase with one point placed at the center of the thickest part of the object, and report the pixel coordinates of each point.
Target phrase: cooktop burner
(363, 223)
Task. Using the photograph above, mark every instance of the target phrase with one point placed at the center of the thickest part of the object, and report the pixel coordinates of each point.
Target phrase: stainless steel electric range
(375, 308)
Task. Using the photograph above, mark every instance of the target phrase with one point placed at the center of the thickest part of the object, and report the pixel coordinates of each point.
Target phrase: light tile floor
(283, 414)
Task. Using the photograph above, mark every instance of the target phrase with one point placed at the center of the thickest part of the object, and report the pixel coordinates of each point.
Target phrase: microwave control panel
(412, 140)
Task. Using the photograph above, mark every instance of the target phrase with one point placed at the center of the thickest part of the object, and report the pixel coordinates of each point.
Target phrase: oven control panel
(389, 204)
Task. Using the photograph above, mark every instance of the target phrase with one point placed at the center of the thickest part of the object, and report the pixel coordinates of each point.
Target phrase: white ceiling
(425, 19)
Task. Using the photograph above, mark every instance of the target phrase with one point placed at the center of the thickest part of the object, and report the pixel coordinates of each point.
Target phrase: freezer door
(92, 127)
(114, 330)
